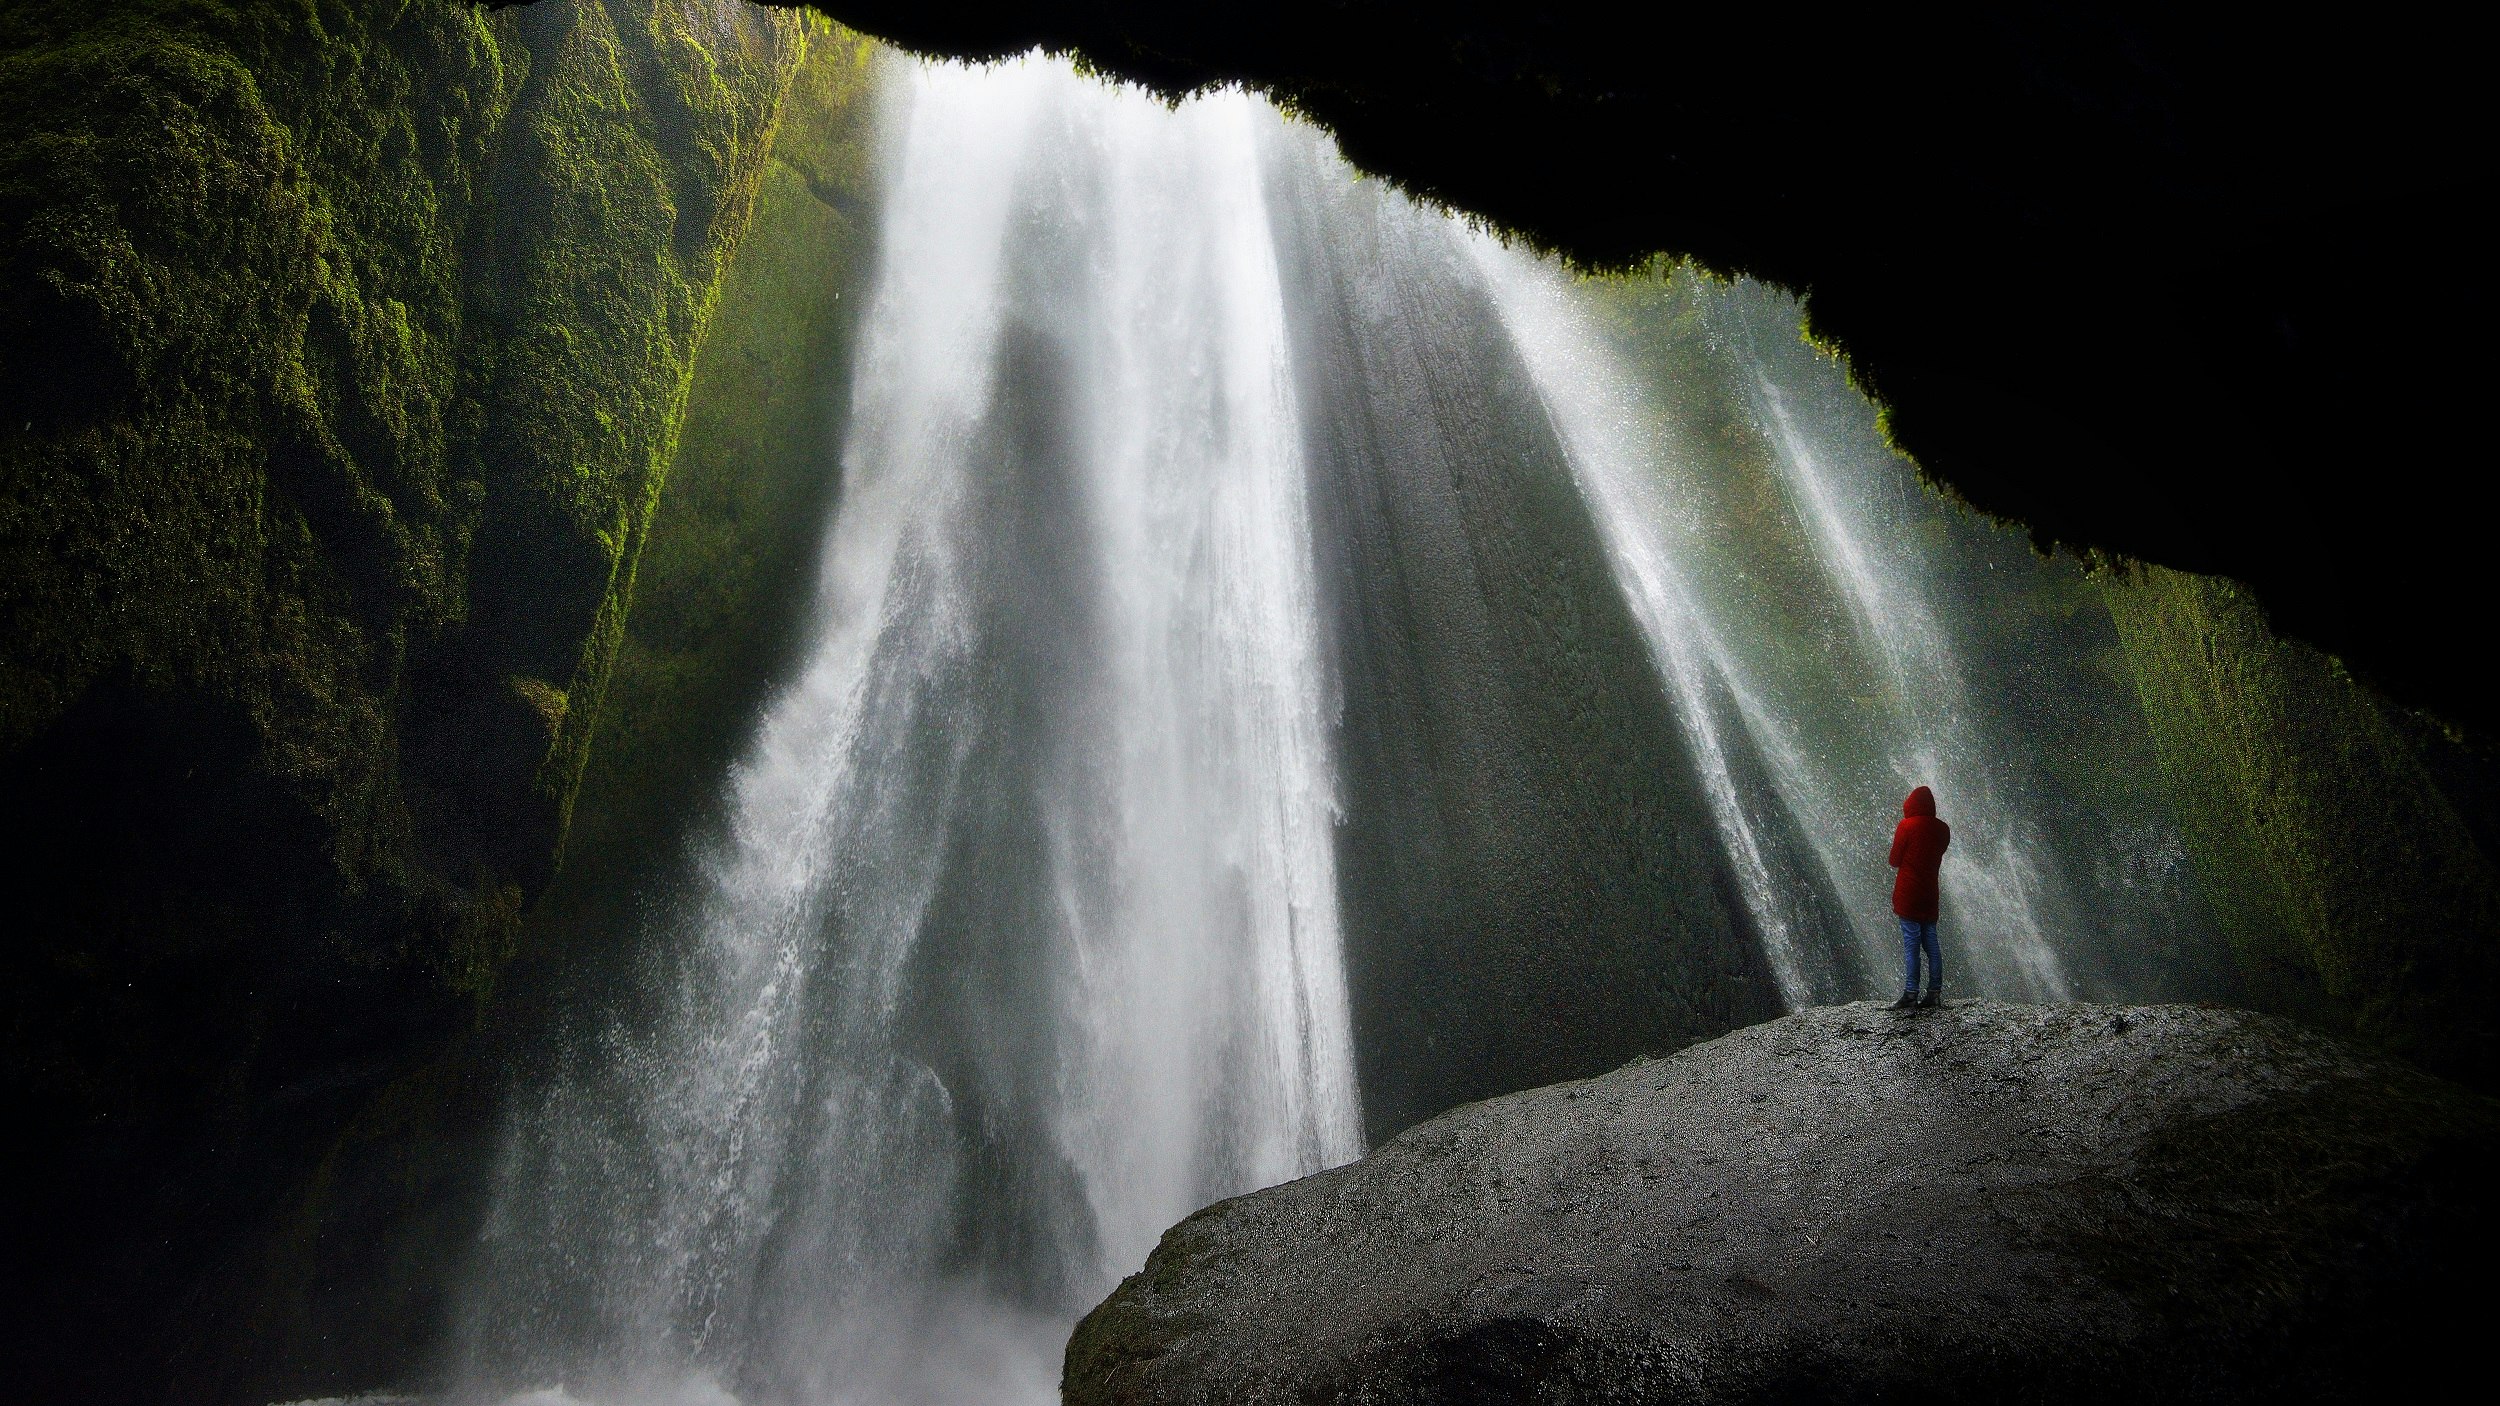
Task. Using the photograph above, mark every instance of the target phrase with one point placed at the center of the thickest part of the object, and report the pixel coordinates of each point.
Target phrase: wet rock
(1986, 1202)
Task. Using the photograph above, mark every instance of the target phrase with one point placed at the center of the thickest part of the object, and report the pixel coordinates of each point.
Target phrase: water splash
(1023, 942)
(1838, 782)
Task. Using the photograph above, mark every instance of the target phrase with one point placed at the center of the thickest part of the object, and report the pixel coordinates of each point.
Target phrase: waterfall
(1997, 881)
(1601, 418)
(1024, 940)
(1833, 781)
(1271, 640)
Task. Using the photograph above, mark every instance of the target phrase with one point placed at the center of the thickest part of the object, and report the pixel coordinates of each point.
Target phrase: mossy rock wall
(2345, 843)
(343, 348)
(725, 586)
(357, 1283)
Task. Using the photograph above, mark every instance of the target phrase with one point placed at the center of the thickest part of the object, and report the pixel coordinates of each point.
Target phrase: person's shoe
(1932, 998)
(1908, 999)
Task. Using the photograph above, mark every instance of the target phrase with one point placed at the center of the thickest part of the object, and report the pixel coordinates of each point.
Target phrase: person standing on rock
(1918, 844)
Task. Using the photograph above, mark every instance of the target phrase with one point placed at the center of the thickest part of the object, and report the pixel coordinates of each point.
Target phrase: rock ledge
(1991, 1202)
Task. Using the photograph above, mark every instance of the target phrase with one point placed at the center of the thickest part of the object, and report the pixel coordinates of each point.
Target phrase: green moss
(347, 351)
(2047, 692)
(722, 588)
(645, 141)
(343, 345)
(2352, 885)
(351, 1282)
(1134, 1324)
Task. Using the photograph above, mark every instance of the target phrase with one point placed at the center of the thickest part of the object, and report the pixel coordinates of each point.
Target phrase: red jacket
(1918, 844)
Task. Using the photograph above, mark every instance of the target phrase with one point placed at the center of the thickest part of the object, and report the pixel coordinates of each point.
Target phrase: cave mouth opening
(424, 429)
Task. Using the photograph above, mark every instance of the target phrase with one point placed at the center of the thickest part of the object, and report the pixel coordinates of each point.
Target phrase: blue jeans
(1914, 935)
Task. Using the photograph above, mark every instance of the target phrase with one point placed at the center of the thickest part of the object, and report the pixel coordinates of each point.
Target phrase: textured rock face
(2351, 853)
(342, 352)
(1984, 1203)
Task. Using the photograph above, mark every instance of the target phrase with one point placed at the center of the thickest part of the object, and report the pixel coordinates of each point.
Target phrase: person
(1918, 845)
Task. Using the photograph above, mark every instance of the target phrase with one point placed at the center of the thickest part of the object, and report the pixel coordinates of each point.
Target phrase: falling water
(1024, 942)
(1602, 420)
(1257, 609)
(1835, 778)
(1996, 880)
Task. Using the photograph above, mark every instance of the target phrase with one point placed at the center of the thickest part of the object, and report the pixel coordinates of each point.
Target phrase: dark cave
(414, 434)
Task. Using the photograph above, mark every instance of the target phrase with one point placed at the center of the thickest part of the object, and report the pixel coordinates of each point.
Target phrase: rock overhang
(2154, 283)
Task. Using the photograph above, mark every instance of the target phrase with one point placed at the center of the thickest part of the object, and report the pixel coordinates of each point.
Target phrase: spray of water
(1616, 457)
(1023, 942)
(1996, 882)
(1838, 786)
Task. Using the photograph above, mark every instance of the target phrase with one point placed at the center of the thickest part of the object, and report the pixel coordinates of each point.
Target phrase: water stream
(1024, 942)
(1923, 732)
(1273, 645)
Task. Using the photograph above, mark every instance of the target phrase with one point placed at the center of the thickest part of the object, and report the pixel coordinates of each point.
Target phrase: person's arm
(1899, 830)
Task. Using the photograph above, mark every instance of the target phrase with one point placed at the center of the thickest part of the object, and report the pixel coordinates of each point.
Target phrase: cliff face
(724, 587)
(1531, 883)
(1983, 1203)
(345, 347)
(2346, 844)
(358, 1279)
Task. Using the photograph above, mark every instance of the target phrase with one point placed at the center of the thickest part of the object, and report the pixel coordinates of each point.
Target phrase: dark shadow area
(175, 1103)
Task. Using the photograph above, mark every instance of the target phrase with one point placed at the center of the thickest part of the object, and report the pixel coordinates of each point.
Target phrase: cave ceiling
(2195, 288)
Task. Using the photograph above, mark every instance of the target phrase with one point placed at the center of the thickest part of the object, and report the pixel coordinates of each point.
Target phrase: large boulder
(1988, 1202)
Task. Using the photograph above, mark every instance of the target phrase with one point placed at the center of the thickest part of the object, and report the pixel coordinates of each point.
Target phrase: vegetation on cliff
(2339, 845)
(2017, 662)
(2345, 843)
(342, 350)
(723, 585)
(356, 1285)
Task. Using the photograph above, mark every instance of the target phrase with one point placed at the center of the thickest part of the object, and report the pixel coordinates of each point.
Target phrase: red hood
(1921, 802)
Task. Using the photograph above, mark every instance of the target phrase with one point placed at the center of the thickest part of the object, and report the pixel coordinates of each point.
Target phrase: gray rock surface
(1989, 1202)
